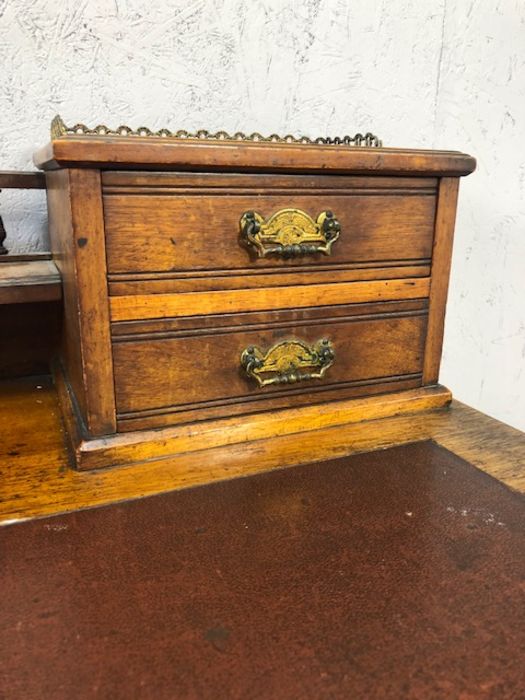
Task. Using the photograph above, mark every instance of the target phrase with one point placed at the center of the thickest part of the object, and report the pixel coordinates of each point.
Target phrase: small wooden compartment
(209, 279)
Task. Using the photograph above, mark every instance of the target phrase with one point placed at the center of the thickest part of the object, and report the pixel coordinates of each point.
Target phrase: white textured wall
(421, 73)
(481, 109)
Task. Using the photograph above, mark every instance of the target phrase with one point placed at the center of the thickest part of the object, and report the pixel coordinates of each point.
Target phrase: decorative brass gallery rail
(59, 129)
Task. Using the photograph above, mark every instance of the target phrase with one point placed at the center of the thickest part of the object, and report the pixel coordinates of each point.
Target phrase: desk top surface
(390, 574)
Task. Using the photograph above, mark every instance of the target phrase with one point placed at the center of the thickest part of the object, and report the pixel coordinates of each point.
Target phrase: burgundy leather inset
(393, 574)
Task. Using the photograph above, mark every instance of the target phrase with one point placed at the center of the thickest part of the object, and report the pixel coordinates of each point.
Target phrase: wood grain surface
(145, 153)
(146, 231)
(171, 372)
(18, 179)
(249, 278)
(200, 231)
(255, 409)
(173, 181)
(37, 478)
(440, 271)
(159, 327)
(76, 228)
(144, 306)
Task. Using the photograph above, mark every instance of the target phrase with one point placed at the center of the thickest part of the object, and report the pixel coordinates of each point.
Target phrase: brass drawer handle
(289, 233)
(288, 362)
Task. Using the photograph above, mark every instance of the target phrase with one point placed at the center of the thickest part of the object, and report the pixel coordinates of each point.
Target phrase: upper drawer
(172, 223)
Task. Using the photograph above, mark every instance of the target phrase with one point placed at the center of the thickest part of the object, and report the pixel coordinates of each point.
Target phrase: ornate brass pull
(289, 233)
(288, 362)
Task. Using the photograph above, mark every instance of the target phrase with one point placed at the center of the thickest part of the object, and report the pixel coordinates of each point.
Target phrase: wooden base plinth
(142, 446)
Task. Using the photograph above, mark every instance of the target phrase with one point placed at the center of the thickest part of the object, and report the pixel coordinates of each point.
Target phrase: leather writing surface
(391, 574)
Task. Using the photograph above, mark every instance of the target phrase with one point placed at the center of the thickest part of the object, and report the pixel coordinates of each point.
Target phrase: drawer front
(176, 233)
(171, 376)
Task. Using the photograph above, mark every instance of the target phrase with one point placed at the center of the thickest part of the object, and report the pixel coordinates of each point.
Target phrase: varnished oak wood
(77, 238)
(200, 231)
(131, 447)
(29, 281)
(440, 271)
(144, 306)
(173, 283)
(246, 406)
(118, 181)
(62, 244)
(158, 352)
(37, 478)
(252, 320)
(107, 152)
(175, 372)
(18, 179)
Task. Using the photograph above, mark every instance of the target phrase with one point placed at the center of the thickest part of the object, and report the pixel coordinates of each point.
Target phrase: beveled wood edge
(115, 152)
(141, 446)
(29, 281)
(186, 181)
(302, 269)
(320, 192)
(127, 331)
(159, 283)
(23, 273)
(22, 180)
(25, 257)
(321, 394)
(149, 306)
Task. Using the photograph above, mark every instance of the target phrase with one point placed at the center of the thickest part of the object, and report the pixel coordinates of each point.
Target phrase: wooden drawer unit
(209, 280)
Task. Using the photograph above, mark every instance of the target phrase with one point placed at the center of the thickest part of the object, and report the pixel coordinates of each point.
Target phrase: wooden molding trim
(145, 306)
(117, 179)
(278, 319)
(121, 151)
(374, 268)
(161, 283)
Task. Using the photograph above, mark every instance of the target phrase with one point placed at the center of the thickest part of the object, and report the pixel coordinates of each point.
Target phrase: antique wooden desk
(192, 355)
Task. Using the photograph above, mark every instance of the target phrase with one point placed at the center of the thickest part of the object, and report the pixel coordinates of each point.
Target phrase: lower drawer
(179, 375)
